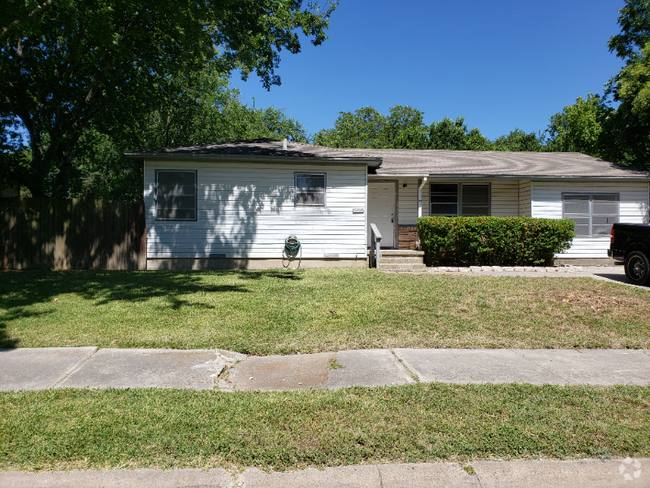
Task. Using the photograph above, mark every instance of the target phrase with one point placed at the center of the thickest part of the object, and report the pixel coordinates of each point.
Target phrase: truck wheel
(637, 268)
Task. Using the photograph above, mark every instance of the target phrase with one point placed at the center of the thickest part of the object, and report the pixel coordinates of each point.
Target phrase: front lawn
(102, 429)
(283, 312)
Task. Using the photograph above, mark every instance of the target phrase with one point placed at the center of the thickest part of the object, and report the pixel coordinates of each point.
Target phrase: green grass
(100, 429)
(277, 311)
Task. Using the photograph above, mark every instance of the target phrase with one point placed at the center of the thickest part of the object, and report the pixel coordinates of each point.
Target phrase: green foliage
(448, 134)
(619, 131)
(197, 109)
(518, 140)
(493, 241)
(635, 30)
(627, 128)
(403, 128)
(361, 129)
(66, 65)
(578, 128)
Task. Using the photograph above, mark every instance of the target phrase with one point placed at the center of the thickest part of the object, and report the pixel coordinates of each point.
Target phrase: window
(593, 213)
(175, 195)
(310, 189)
(454, 199)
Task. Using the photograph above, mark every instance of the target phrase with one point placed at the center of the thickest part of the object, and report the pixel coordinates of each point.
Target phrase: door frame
(395, 209)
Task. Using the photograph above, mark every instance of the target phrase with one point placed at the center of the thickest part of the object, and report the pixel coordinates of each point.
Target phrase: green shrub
(493, 241)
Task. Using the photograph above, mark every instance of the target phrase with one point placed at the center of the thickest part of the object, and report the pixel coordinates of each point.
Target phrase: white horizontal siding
(525, 188)
(407, 202)
(633, 208)
(246, 210)
(505, 198)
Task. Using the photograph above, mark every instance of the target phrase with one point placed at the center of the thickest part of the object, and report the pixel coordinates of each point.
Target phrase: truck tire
(637, 268)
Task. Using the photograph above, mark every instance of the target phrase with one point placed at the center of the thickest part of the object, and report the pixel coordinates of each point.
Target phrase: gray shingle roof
(421, 162)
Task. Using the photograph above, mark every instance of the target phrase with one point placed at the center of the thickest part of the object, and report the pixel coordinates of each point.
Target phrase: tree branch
(41, 8)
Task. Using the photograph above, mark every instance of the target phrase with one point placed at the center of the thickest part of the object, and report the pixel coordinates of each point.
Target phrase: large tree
(627, 128)
(67, 64)
(187, 110)
(578, 128)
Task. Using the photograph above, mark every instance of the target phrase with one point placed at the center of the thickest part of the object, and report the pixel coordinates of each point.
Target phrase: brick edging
(504, 269)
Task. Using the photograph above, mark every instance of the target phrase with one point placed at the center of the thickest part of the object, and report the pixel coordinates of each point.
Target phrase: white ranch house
(232, 205)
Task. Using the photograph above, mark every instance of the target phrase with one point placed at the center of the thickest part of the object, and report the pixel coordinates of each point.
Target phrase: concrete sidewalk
(589, 473)
(90, 367)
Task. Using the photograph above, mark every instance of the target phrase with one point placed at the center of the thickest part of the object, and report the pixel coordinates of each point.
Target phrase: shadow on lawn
(5, 341)
(20, 289)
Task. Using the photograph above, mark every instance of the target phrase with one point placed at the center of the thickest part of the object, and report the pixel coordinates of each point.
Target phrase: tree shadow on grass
(7, 342)
(20, 289)
(27, 293)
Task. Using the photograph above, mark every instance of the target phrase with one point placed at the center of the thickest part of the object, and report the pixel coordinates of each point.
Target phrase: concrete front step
(401, 252)
(401, 259)
(402, 268)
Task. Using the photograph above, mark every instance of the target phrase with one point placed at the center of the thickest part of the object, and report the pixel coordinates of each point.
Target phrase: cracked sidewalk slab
(370, 367)
(148, 368)
(39, 368)
(302, 371)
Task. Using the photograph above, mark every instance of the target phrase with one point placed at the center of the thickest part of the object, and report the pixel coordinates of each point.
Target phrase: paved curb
(586, 473)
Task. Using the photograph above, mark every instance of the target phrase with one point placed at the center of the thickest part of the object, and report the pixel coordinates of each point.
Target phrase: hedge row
(493, 241)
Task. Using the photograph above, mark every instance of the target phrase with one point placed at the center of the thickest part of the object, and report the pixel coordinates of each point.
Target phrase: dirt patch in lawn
(594, 301)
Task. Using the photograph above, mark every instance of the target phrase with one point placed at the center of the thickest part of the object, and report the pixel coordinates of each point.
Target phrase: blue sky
(501, 64)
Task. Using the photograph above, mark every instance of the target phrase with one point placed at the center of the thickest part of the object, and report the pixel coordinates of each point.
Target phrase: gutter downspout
(420, 186)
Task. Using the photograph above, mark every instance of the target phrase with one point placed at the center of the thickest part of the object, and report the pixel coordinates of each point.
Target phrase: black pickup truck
(631, 244)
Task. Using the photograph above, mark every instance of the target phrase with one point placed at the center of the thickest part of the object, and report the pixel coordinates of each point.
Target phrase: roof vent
(284, 144)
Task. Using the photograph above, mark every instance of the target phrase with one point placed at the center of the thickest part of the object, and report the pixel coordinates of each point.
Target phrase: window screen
(310, 188)
(444, 199)
(453, 199)
(175, 195)
(475, 200)
(593, 213)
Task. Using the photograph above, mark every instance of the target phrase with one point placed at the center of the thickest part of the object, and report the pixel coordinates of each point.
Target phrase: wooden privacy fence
(72, 234)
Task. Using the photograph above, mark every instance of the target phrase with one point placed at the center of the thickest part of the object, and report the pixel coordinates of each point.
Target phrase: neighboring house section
(232, 205)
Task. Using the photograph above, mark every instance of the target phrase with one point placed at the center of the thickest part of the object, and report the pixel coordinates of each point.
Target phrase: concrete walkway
(614, 274)
(589, 473)
(90, 367)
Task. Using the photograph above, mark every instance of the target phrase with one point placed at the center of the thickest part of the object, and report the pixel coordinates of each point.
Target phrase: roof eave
(268, 159)
(513, 177)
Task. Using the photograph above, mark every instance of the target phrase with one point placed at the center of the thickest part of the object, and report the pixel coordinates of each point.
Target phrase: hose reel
(292, 248)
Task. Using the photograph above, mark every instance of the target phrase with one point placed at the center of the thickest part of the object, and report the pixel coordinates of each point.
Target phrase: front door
(381, 211)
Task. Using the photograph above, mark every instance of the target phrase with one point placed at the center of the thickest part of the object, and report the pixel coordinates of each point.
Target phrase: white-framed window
(310, 189)
(459, 199)
(593, 213)
(175, 194)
